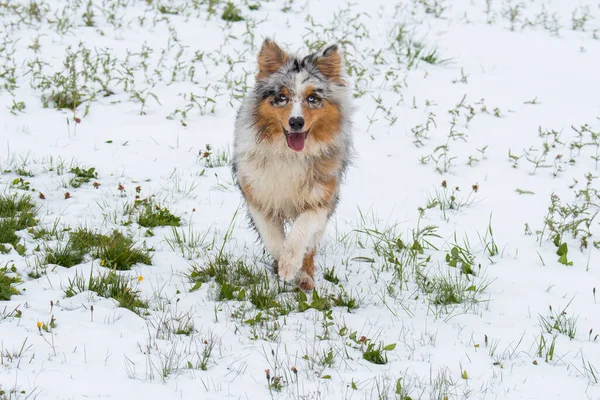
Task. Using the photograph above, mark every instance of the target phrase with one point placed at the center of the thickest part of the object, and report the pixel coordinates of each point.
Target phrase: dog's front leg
(270, 230)
(298, 241)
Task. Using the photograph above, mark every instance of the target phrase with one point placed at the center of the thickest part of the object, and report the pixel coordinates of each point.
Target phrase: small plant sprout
(560, 322)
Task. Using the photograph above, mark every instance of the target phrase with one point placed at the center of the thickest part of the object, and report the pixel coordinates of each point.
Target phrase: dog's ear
(270, 58)
(329, 62)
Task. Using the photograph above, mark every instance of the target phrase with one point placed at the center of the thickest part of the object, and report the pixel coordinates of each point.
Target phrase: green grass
(326, 300)
(8, 278)
(11, 205)
(319, 302)
(398, 253)
(574, 219)
(21, 184)
(109, 285)
(330, 275)
(189, 244)
(231, 13)
(546, 349)
(433, 57)
(344, 299)
(262, 295)
(449, 199)
(24, 172)
(119, 252)
(16, 213)
(450, 289)
(10, 226)
(83, 239)
(233, 277)
(46, 234)
(215, 158)
(115, 251)
(164, 10)
(223, 268)
(82, 176)
(65, 255)
(373, 353)
(237, 280)
(462, 258)
(559, 321)
(186, 328)
(153, 215)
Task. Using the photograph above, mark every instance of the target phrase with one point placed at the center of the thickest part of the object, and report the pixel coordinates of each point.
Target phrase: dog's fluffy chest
(281, 186)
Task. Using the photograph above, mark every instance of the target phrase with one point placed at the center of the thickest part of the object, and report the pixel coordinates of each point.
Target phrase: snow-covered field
(463, 260)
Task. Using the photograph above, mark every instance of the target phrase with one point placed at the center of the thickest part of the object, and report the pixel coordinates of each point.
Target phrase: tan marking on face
(270, 59)
(310, 89)
(324, 122)
(270, 119)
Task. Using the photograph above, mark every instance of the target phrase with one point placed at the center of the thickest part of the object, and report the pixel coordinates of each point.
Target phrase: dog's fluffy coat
(291, 176)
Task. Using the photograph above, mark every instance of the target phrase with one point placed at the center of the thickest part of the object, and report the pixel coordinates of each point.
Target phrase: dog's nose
(296, 123)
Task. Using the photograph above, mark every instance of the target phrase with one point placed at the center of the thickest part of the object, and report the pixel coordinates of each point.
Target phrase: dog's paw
(304, 281)
(287, 268)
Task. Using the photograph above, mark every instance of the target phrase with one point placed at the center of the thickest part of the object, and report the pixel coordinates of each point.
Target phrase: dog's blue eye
(311, 99)
(281, 98)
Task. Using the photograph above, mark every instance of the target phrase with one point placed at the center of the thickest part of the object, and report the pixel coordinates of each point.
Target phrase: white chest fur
(280, 185)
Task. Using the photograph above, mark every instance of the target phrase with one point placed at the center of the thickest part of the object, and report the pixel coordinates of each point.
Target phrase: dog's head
(299, 99)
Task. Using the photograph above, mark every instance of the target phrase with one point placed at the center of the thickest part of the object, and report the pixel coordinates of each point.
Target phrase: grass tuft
(65, 255)
(115, 251)
(109, 285)
(329, 274)
(8, 278)
(16, 214)
(449, 289)
(10, 206)
(231, 13)
(119, 252)
(238, 281)
(559, 322)
(215, 158)
(153, 215)
(82, 176)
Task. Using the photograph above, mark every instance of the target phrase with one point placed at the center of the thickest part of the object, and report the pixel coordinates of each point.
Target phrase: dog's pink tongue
(296, 140)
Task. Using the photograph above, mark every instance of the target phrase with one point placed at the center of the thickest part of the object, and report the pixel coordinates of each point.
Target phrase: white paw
(288, 267)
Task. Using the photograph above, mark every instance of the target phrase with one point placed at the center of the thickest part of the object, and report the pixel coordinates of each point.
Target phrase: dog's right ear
(270, 58)
(329, 62)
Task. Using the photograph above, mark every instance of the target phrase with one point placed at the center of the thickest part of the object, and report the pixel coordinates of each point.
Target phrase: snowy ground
(464, 257)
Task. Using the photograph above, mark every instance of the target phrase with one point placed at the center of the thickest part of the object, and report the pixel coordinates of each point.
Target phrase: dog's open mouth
(295, 140)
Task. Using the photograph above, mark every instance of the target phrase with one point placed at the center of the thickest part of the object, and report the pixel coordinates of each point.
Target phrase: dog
(292, 146)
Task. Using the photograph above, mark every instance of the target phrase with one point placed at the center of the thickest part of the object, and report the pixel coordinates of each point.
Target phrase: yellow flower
(102, 262)
(140, 278)
(39, 325)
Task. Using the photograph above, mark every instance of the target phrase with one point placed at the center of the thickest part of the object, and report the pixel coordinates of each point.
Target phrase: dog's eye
(282, 98)
(312, 99)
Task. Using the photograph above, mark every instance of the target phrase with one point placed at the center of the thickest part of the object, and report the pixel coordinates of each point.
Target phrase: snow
(536, 78)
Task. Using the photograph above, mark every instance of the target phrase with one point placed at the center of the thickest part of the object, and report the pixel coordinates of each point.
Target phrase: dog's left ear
(329, 62)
